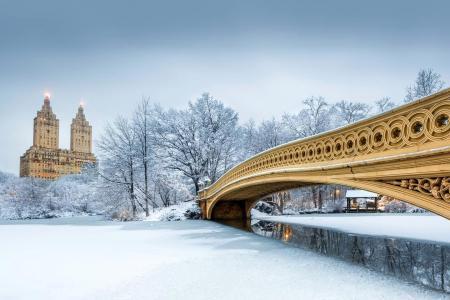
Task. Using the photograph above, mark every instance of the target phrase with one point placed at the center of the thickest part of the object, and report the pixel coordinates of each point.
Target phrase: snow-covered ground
(412, 226)
(87, 258)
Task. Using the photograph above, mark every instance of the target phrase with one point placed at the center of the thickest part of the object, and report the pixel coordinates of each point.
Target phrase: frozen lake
(87, 258)
(425, 227)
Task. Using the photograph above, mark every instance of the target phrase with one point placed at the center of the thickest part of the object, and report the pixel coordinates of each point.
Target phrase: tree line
(160, 156)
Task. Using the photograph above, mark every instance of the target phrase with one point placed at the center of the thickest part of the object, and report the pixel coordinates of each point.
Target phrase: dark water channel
(416, 261)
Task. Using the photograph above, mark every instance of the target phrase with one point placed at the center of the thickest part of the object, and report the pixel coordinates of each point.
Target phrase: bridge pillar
(203, 208)
(229, 210)
(249, 204)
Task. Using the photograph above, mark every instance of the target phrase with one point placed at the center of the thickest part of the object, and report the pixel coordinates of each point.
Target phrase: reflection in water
(287, 233)
(277, 231)
(238, 223)
(417, 261)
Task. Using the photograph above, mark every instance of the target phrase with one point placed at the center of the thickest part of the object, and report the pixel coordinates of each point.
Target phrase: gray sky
(259, 57)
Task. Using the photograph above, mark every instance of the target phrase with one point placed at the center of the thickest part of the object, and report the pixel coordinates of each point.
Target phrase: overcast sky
(259, 57)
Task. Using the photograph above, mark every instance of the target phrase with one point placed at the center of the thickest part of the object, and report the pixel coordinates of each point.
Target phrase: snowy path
(411, 226)
(85, 258)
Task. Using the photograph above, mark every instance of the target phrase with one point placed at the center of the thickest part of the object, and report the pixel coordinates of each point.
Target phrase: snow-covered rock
(177, 212)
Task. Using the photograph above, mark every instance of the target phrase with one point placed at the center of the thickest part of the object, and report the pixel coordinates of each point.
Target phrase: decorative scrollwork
(438, 187)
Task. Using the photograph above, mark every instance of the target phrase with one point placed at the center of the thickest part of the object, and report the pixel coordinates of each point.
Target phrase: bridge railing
(422, 124)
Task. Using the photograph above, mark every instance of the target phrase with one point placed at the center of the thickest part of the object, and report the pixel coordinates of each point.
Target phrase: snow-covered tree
(199, 141)
(142, 120)
(257, 138)
(77, 193)
(270, 134)
(247, 140)
(218, 132)
(26, 196)
(314, 118)
(171, 188)
(29, 197)
(427, 82)
(349, 112)
(118, 147)
(384, 104)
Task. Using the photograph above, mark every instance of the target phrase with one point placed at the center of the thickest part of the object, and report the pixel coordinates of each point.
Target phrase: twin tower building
(45, 159)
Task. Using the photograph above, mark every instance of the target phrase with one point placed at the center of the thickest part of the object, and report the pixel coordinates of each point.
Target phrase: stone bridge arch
(403, 153)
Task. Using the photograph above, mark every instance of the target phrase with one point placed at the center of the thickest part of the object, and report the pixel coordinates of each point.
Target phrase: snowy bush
(122, 215)
(193, 212)
(397, 206)
(75, 193)
(336, 206)
(177, 212)
(24, 198)
(265, 208)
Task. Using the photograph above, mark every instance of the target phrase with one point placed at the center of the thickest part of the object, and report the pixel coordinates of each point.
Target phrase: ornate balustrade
(418, 129)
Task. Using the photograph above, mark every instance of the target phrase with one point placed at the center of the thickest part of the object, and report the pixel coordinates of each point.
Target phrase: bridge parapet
(411, 133)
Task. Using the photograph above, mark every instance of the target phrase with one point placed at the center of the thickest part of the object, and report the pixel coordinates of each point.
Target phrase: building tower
(80, 133)
(46, 127)
(44, 159)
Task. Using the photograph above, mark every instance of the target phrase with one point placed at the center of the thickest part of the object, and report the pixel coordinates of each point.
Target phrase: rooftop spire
(80, 113)
(46, 108)
(47, 99)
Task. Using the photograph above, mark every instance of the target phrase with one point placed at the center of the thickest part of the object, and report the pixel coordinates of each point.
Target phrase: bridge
(403, 153)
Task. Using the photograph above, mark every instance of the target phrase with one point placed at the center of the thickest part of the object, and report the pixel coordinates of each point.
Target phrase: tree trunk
(146, 188)
(146, 164)
(197, 188)
(320, 200)
(132, 196)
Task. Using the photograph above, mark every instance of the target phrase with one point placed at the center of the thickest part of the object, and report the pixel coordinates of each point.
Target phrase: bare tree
(384, 104)
(247, 140)
(142, 126)
(118, 149)
(270, 134)
(349, 112)
(427, 82)
(163, 191)
(314, 118)
(170, 188)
